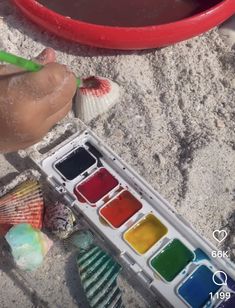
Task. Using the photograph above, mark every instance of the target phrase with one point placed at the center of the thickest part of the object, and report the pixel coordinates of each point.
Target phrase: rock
(28, 246)
(227, 31)
(219, 123)
(233, 83)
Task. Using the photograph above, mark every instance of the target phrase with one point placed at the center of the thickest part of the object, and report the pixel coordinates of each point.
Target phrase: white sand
(175, 124)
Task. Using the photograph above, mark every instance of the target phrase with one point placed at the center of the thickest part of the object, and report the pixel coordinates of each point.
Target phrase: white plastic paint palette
(162, 250)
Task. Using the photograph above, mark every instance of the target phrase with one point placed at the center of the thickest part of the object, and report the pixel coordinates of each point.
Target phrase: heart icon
(220, 235)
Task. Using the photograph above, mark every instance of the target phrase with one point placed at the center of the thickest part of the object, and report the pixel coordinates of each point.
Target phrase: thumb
(46, 56)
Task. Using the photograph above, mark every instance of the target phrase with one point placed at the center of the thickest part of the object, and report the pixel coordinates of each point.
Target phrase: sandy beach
(174, 124)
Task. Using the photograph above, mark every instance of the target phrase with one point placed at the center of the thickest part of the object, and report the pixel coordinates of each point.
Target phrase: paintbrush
(27, 65)
(95, 96)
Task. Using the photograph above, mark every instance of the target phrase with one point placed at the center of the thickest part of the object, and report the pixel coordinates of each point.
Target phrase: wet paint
(75, 163)
(130, 13)
(96, 186)
(200, 255)
(196, 289)
(230, 303)
(80, 198)
(172, 259)
(145, 233)
(120, 209)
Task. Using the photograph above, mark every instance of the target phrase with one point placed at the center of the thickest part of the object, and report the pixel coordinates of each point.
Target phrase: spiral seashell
(24, 204)
(59, 219)
(98, 274)
(95, 97)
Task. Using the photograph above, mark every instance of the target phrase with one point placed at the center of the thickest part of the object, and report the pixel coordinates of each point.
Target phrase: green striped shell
(98, 273)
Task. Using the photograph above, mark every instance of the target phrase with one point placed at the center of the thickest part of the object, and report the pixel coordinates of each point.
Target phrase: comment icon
(220, 278)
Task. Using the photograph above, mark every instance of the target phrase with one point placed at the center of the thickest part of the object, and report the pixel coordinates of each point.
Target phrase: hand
(31, 103)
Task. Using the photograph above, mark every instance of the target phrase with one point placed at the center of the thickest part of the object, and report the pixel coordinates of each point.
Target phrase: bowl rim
(43, 10)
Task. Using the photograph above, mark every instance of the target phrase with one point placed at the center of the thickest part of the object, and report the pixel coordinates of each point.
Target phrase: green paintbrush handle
(20, 62)
(28, 65)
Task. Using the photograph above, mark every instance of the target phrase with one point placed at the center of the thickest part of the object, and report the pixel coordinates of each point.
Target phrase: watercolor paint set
(162, 251)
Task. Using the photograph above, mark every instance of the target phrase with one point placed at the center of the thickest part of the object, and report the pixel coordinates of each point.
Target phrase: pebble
(219, 123)
(118, 134)
(233, 83)
(159, 159)
(227, 31)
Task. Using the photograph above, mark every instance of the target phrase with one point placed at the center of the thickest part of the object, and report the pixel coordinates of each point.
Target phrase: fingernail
(42, 56)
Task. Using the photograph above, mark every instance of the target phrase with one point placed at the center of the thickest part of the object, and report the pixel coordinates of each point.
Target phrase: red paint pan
(133, 37)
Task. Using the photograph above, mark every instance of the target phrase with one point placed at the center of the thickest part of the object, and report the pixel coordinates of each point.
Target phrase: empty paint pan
(196, 289)
(120, 209)
(145, 233)
(75, 163)
(171, 260)
(96, 186)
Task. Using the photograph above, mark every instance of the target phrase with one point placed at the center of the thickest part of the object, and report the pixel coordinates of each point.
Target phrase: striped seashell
(24, 204)
(98, 274)
(95, 97)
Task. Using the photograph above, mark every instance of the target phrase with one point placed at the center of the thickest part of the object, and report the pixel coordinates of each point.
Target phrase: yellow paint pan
(145, 233)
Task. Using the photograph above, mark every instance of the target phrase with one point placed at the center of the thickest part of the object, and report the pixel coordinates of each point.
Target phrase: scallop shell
(24, 204)
(95, 97)
(4, 229)
(98, 274)
(59, 219)
(28, 246)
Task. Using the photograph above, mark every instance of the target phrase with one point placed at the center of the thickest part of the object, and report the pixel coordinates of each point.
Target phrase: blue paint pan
(195, 291)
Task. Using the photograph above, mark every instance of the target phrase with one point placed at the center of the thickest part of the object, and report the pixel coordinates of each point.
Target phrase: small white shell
(95, 97)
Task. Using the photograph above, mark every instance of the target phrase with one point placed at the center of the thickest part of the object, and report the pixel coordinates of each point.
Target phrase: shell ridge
(90, 261)
(107, 296)
(92, 280)
(32, 207)
(119, 303)
(23, 204)
(21, 197)
(95, 97)
(81, 258)
(110, 274)
(98, 265)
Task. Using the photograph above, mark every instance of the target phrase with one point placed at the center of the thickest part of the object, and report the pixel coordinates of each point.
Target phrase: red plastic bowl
(124, 37)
